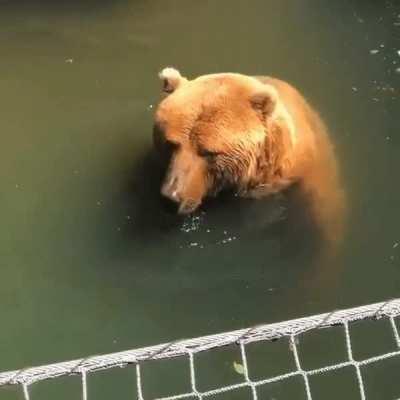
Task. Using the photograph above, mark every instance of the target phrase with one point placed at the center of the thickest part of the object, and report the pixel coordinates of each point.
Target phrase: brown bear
(254, 135)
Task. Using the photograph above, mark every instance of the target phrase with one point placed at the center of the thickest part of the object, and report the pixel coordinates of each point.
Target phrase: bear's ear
(171, 79)
(264, 101)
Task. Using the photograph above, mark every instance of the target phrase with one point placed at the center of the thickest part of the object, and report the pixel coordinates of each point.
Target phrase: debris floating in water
(238, 368)
(69, 60)
(374, 51)
(395, 245)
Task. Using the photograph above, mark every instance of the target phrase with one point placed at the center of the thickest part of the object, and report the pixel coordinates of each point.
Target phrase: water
(92, 265)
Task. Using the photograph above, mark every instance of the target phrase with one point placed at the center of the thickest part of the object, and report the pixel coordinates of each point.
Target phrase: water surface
(84, 273)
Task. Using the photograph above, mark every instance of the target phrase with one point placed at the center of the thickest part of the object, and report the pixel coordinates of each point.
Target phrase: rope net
(188, 349)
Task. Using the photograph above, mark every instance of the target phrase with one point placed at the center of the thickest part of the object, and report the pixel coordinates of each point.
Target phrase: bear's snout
(185, 183)
(170, 189)
(185, 206)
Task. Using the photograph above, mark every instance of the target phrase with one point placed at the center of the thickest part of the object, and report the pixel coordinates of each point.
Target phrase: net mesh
(189, 348)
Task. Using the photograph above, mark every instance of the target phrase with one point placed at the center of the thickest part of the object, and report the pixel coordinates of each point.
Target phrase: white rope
(188, 348)
(25, 389)
(139, 382)
(353, 362)
(84, 385)
(300, 370)
(193, 377)
(246, 370)
(395, 331)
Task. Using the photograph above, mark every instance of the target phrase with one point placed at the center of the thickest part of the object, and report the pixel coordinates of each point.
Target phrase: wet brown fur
(226, 131)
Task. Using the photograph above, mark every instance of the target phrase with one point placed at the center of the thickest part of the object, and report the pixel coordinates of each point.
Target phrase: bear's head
(216, 132)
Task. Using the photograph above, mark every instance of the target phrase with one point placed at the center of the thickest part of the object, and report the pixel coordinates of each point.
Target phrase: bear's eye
(207, 153)
(171, 145)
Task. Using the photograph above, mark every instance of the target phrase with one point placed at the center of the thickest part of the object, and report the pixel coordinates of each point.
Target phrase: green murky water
(90, 265)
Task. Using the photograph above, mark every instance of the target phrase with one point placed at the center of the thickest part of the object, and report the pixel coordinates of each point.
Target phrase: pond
(91, 265)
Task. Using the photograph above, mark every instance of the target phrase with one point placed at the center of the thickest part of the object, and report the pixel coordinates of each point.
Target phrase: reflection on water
(92, 264)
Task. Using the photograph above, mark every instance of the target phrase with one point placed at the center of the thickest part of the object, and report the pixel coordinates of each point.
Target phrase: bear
(255, 136)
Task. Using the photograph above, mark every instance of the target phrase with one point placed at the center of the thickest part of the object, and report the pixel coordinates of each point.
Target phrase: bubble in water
(227, 240)
(191, 224)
